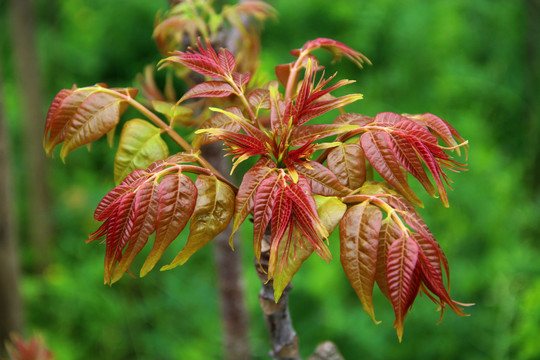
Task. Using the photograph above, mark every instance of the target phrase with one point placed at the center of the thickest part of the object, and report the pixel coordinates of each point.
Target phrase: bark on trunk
(233, 309)
(33, 119)
(11, 312)
(283, 337)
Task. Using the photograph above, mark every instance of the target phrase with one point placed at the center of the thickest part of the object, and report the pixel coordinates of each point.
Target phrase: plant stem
(177, 139)
(283, 337)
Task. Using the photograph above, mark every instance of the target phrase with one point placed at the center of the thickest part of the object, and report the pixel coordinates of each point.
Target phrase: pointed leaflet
(277, 109)
(212, 215)
(355, 119)
(117, 226)
(281, 222)
(294, 252)
(400, 266)
(263, 204)
(259, 99)
(177, 198)
(305, 133)
(359, 238)
(52, 114)
(408, 158)
(347, 161)
(248, 188)
(208, 89)
(140, 145)
(203, 61)
(443, 129)
(389, 233)
(330, 210)
(306, 216)
(376, 147)
(321, 179)
(142, 223)
(337, 48)
(83, 116)
(227, 61)
(110, 201)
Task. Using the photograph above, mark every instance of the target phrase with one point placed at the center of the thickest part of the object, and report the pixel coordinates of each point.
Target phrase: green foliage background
(469, 62)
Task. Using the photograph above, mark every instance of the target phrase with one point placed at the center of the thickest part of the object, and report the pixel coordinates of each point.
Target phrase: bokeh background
(473, 63)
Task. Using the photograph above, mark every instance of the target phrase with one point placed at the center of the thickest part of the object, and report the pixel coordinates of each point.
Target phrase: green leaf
(140, 145)
(359, 238)
(212, 215)
(220, 121)
(298, 252)
(330, 210)
(173, 112)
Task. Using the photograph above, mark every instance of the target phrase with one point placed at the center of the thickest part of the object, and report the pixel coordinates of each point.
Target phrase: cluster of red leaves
(160, 199)
(289, 191)
(397, 252)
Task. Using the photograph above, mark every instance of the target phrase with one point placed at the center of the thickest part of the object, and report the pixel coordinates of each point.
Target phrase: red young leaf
(177, 198)
(377, 150)
(301, 134)
(248, 189)
(203, 61)
(142, 222)
(306, 216)
(321, 179)
(281, 221)
(347, 161)
(265, 196)
(118, 229)
(337, 49)
(241, 80)
(402, 259)
(359, 235)
(227, 61)
(109, 203)
(389, 233)
(259, 99)
(80, 116)
(355, 119)
(209, 89)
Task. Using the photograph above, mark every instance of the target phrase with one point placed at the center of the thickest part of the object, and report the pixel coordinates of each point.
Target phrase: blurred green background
(473, 63)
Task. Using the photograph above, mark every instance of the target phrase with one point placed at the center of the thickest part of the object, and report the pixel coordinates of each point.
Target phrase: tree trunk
(33, 120)
(11, 312)
(233, 309)
(277, 316)
(532, 91)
